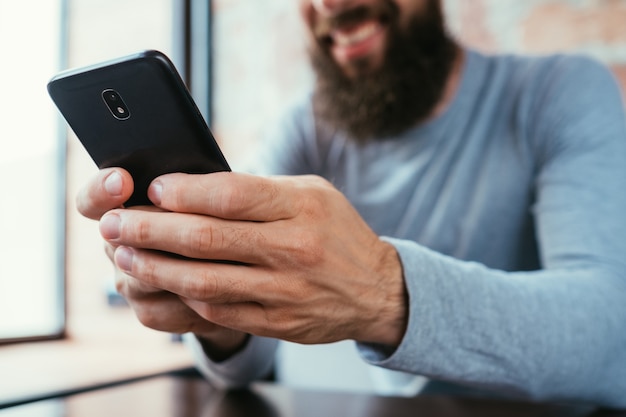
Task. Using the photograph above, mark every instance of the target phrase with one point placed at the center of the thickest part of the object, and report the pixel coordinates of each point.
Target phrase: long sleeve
(553, 333)
(508, 213)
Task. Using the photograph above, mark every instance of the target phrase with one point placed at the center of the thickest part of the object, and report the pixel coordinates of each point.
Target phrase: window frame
(193, 49)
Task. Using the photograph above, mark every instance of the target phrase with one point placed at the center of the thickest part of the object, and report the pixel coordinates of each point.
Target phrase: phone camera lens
(116, 104)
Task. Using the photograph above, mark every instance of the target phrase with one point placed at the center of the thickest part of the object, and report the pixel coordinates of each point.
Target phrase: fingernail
(124, 258)
(154, 192)
(110, 226)
(113, 184)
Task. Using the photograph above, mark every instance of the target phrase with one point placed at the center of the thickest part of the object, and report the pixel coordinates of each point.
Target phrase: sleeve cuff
(253, 362)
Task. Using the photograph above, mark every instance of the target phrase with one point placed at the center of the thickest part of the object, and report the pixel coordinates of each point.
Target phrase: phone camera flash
(116, 104)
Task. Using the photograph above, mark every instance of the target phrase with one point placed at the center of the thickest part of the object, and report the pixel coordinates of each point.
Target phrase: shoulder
(576, 89)
(552, 104)
(569, 80)
(541, 74)
(577, 108)
(562, 96)
(576, 77)
(546, 65)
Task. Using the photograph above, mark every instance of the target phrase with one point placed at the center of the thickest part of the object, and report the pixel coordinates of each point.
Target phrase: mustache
(384, 11)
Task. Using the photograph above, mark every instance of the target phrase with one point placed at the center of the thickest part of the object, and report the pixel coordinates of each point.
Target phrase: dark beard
(403, 92)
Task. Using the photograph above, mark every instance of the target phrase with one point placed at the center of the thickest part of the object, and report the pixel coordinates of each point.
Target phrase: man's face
(381, 65)
(356, 32)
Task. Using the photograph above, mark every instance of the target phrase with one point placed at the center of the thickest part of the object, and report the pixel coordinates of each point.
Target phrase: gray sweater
(509, 215)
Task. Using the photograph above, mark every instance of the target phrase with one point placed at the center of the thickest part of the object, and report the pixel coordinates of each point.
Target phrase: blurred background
(55, 281)
(261, 63)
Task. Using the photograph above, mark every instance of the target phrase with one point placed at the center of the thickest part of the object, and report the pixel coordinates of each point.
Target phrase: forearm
(552, 334)
(252, 362)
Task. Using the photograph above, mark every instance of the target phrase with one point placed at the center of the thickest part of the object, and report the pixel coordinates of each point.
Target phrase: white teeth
(353, 37)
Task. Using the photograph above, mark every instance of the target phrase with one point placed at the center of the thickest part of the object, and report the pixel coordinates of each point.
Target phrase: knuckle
(269, 189)
(135, 230)
(209, 287)
(220, 314)
(206, 288)
(313, 206)
(203, 239)
(147, 271)
(203, 287)
(144, 270)
(315, 203)
(215, 313)
(307, 248)
(285, 325)
(318, 181)
(234, 199)
(142, 231)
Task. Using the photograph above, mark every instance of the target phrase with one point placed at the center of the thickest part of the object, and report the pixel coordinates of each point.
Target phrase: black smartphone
(135, 112)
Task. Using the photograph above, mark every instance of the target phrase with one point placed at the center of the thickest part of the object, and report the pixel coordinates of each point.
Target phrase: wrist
(390, 306)
(220, 345)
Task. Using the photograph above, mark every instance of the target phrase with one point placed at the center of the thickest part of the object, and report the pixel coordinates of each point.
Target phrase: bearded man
(464, 224)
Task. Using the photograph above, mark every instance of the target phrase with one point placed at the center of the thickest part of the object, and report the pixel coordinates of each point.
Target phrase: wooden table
(184, 396)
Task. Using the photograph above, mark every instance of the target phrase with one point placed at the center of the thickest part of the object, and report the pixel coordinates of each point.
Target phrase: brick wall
(593, 27)
(261, 63)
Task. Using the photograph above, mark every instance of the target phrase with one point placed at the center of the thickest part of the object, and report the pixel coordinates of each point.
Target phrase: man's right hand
(154, 307)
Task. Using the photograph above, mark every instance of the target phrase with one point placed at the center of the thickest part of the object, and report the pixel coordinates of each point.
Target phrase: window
(103, 344)
(32, 161)
(99, 31)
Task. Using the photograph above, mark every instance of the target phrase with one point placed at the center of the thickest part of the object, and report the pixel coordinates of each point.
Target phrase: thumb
(109, 189)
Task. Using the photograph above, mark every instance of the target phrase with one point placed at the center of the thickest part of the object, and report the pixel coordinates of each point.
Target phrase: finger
(252, 318)
(109, 189)
(245, 317)
(227, 195)
(132, 288)
(209, 282)
(165, 312)
(189, 235)
(109, 250)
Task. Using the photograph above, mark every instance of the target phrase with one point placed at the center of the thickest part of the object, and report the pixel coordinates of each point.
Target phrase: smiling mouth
(351, 27)
(361, 33)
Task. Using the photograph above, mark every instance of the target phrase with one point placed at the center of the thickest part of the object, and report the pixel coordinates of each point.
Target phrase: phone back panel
(164, 132)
